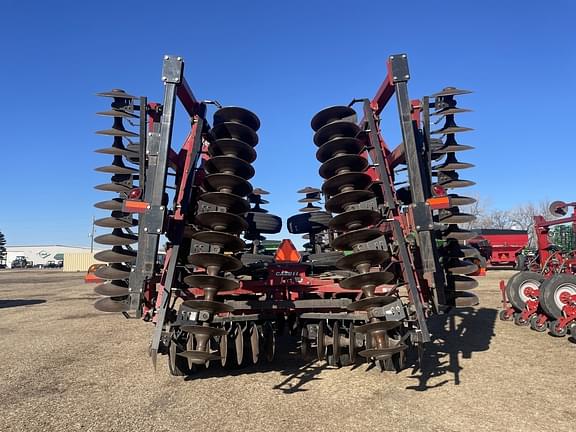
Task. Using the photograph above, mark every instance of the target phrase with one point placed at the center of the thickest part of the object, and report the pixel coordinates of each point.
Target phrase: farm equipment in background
(544, 296)
(383, 255)
(500, 247)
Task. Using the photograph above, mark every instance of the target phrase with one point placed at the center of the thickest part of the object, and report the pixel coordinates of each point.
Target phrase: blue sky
(284, 60)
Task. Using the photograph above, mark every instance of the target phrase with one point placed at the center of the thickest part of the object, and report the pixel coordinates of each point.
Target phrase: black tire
(554, 331)
(535, 326)
(521, 262)
(517, 283)
(264, 223)
(308, 222)
(519, 321)
(550, 291)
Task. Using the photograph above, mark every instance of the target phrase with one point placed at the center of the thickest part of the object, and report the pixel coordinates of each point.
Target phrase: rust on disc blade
(459, 200)
(113, 272)
(339, 146)
(114, 204)
(451, 91)
(455, 233)
(116, 132)
(203, 330)
(117, 288)
(309, 190)
(310, 208)
(116, 169)
(112, 304)
(116, 93)
(463, 282)
(207, 305)
(332, 114)
(353, 180)
(348, 240)
(116, 238)
(377, 326)
(116, 255)
(199, 357)
(461, 267)
(220, 221)
(450, 111)
(337, 129)
(116, 151)
(229, 242)
(113, 187)
(338, 203)
(117, 113)
(354, 219)
(367, 279)
(347, 163)
(382, 353)
(455, 218)
(225, 263)
(216, 282)
(237, 131)
(451, 130)
(369, 257)
(237, 115)
(116, 222)
(232, 147)
(229, 165)
(234, 184)
(371, 302)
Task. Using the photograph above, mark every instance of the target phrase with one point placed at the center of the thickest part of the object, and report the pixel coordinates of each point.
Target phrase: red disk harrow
(544, 295)
(383, 254)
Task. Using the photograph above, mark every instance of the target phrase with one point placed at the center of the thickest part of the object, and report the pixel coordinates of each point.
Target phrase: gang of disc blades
(367, 279)
(237, 131)
(234, 203)
(354, 219)
(237, 115)
(337, 129)
(229, 165)
(332, 114)
(369, 257)
(232, 147)
(220, 221)
(348, 163)
(348, 240)
(218, 283)
(339, 146)
(225, 263)
(354, 180)
(229, 242)
(235, 184)
(339, 202)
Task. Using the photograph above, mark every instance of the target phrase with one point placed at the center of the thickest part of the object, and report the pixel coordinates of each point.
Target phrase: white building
(41, 254)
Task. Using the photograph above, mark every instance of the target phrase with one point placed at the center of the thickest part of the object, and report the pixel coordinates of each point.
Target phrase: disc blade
(116, 255)
(116, 288)
(111, 304)
(207, 305)
(371, 302)
(117, 132)
(377, 326)
(116, 93)
(367, 279)
(203, 330)
(113, 272)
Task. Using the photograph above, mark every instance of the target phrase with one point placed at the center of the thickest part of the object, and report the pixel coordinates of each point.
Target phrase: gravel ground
(68, 367)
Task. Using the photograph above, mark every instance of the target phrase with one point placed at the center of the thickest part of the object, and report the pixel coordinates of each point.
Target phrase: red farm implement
(500, 247)
(544, 296)
(383, 255)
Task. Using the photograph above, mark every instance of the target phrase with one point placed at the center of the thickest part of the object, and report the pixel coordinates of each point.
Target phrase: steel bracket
(172, 69)
(399, 68)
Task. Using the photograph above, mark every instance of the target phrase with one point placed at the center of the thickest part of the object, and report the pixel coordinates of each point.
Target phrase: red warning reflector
(287, 252)
(439, 202)
(133, 206)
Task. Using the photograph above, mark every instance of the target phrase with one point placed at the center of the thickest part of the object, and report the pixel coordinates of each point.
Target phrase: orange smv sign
(287, 252)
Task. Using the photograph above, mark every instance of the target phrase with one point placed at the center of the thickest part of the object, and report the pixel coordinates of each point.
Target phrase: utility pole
(92, 236)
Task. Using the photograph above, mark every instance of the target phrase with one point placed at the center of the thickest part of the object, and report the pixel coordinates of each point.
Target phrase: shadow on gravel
(461, 332)
(19, 302)
(297, 371)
